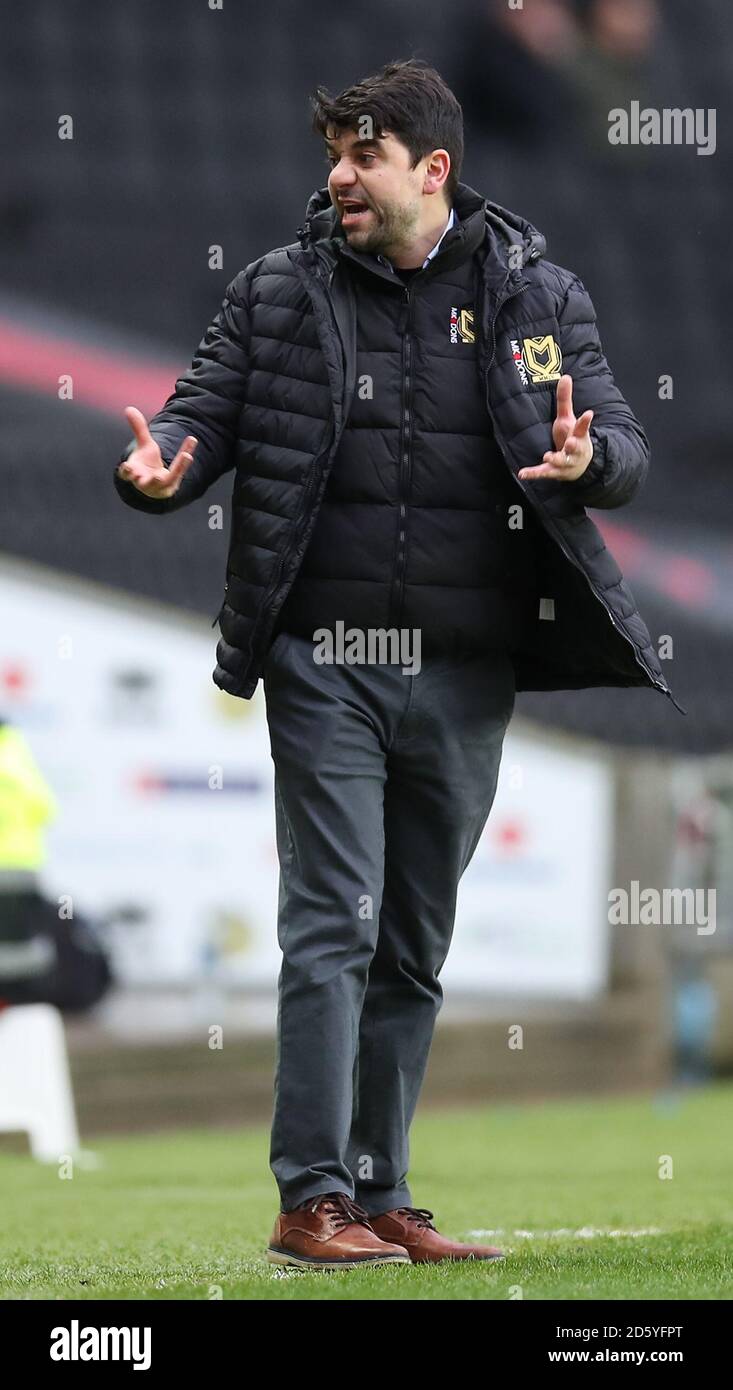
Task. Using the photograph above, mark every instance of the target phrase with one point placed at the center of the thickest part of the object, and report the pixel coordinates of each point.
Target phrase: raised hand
(145, 468)
(573, 444)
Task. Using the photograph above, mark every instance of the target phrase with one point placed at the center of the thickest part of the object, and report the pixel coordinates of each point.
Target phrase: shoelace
(420, 1215)
(341, 1210)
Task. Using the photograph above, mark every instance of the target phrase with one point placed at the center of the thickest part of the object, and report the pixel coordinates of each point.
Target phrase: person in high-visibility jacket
(27, 804)
(44, 959)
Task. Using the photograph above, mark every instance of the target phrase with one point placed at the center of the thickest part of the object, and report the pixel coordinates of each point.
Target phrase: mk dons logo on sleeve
(538, 360)
(461, 326)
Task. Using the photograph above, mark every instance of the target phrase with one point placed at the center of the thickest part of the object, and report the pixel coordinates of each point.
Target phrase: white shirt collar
(436, 247)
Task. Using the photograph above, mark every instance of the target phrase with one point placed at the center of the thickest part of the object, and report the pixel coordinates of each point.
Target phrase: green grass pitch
(569, 1190)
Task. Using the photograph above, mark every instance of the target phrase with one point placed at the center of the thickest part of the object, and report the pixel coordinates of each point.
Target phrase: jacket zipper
(398, 582)
(659, 685)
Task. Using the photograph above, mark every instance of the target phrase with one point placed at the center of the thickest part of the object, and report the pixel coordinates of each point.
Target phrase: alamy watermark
(668, 907)
(668, 126)
(79, 1342)
(370, 646)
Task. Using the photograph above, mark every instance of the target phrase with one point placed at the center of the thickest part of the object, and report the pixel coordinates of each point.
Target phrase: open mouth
(352, 212)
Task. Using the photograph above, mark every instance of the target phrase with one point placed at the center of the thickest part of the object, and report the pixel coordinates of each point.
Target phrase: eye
(331, 159)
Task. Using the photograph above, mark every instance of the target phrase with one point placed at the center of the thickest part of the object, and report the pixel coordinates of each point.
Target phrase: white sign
(532, 914)
(166, 824)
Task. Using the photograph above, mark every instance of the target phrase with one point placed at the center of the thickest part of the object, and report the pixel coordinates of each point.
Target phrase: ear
(437, 170)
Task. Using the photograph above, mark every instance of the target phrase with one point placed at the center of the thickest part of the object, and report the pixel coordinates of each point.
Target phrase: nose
(341, 178)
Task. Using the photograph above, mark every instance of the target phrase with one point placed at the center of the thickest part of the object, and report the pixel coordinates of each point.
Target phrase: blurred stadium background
(190, 132)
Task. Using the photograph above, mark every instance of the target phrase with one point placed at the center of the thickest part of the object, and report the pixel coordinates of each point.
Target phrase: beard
(389, 229)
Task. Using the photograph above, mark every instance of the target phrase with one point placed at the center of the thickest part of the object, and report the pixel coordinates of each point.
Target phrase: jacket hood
(506, 228)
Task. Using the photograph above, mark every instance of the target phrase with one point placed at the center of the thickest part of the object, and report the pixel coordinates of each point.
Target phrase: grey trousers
(383, 785)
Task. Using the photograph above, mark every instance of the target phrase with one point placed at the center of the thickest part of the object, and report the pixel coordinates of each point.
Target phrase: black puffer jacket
(416, 529)
(270, 391)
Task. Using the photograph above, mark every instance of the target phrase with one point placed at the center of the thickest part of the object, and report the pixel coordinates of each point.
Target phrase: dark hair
(411, 101)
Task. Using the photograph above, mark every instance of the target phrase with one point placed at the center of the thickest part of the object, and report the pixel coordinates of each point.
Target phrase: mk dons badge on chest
(461, 326)
(538, 360)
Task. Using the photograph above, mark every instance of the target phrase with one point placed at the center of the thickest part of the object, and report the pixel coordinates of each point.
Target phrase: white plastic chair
(35, 1082)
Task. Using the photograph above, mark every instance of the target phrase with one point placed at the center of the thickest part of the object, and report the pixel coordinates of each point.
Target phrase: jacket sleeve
(620, 447)
(206, 403)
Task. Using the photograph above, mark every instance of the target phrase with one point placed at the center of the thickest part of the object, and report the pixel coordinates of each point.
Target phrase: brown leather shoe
(330, 1232)
(413, 1228)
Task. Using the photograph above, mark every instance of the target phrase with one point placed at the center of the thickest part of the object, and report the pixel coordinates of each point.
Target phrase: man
(417, 409)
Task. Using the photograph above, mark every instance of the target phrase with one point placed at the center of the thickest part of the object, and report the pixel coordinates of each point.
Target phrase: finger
(583, 424)
(564, 420)
(183, 459)
(146, 476)
(542, 470)
(565, 396)
(154, 484)
(561, 458)
(139, 426)
(561, 431)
